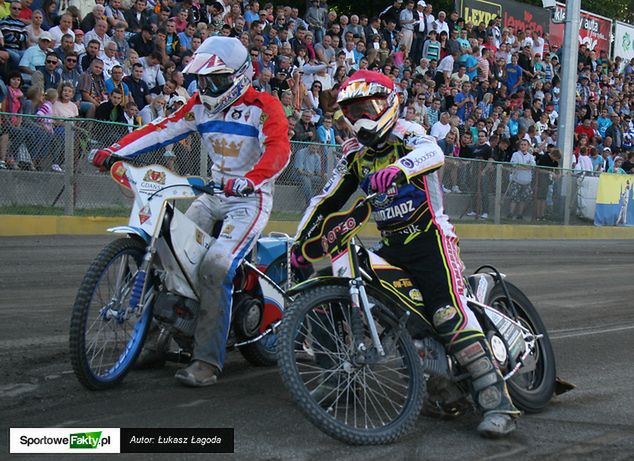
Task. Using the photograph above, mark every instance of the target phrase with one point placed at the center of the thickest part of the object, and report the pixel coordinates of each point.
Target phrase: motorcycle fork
(360, 301)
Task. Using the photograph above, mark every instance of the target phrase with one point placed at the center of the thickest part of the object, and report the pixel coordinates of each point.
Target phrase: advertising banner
(615, 204)
(514, 14)
(624, 41)
(594, 30)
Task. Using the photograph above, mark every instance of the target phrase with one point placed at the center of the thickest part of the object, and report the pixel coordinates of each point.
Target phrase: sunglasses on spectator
(16, 8)
(51, 61)
(268, 54)
(71, 59)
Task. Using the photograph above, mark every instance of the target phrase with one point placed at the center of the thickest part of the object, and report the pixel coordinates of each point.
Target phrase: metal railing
(476, 191)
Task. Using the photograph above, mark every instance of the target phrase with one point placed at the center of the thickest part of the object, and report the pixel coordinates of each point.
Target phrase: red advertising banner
(514, 14)
(594, 31)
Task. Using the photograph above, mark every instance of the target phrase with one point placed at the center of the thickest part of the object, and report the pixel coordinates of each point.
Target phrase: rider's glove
(239, 187)
(382, 180)
(103, 160)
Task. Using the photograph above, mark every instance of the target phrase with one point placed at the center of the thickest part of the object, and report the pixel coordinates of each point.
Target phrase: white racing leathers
(418, 237)
(247, 140)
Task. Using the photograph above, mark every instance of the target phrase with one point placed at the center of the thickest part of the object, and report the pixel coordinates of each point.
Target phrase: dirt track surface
(584, 291)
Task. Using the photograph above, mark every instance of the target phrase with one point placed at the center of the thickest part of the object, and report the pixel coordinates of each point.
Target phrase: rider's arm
(424, 157)
(158, 133)
(276, 148)
(337, 191)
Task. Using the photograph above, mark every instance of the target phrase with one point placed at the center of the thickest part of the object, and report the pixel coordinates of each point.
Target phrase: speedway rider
(397, 160)
(246, 134)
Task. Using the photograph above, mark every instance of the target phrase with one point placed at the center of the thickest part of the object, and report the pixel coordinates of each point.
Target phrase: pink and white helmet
(224, 71)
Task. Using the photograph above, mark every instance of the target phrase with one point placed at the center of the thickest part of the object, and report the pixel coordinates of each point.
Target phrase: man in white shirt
(446, 65)
(98, 33)
(430, 19)
(441, 24)
(407, 27)
(152, 74)
(57, 32)
(108, 56)
(538, 44)
(440, 129)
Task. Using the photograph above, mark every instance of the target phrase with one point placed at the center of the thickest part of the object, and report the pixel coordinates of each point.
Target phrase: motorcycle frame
(345, 264)
(125, 174)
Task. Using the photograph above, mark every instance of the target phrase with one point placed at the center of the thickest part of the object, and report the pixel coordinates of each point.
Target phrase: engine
(177, 311)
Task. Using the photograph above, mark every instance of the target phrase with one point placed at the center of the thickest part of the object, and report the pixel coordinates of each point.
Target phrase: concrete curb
(19, 225)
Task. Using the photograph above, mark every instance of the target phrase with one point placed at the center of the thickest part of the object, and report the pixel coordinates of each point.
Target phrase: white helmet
(224, 71)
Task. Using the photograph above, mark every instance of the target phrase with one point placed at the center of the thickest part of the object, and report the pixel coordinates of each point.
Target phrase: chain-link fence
(49, 174)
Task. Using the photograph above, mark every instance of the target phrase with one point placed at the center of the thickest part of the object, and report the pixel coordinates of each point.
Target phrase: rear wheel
(531, 389)
(106, 334)
(359, 398)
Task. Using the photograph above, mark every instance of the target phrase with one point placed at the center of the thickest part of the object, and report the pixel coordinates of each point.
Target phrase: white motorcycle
(151, 276)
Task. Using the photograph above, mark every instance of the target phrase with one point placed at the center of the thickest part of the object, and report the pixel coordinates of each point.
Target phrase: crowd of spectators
(484, 91)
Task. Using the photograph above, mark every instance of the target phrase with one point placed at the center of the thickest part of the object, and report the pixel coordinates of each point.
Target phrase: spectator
(116, 82)
(14, 33)
(520, 189)
(154, 110)
(66, 47)
(92, 51)
(152, 74)
(64, 28)
(36, 56)
(304, 129)
(138, 88)
(308, 167)
(112, 110)
(109, 58)
(49, 76)
(93, 87)
(440, 129)
(34, 30)
(98, 33)
(137, 16)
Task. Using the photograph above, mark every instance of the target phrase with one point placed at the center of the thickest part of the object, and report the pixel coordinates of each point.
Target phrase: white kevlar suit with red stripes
(250, 140)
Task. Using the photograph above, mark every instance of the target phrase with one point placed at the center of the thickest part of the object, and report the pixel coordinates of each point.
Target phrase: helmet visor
(369, 108)
(215, 84)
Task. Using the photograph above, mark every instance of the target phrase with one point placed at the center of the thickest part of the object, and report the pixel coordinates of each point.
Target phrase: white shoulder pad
(404, 129)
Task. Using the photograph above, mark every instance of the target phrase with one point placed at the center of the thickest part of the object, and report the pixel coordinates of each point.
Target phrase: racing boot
(464, 339)
(198, 374)
(154, 352)
(489, 390)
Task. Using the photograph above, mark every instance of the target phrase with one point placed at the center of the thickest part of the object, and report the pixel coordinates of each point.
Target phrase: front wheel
(360, 398)
(530, 390)
(106, 335)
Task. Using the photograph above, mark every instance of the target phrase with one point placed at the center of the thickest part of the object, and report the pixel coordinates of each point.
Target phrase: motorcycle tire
(263, 353)
(530, 391)
(299, 357)
(124, 255)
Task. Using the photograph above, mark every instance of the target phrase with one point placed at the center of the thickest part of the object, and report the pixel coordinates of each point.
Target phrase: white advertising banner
(624, 41)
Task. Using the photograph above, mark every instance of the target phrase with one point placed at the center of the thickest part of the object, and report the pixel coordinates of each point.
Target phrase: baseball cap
(78, 32)
(607, 149)
(422, 3)
(46, 36)
(180, 99)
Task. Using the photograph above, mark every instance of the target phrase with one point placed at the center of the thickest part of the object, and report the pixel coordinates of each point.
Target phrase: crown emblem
(222, 147)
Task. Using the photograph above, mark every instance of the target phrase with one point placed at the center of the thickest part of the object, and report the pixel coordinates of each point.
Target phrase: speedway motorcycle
(150, 276)
(360, 358)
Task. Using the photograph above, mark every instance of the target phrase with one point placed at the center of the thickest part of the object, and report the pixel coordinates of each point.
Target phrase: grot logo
(88, 440)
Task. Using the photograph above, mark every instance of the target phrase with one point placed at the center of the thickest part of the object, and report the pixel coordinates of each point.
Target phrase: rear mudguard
(372, 289)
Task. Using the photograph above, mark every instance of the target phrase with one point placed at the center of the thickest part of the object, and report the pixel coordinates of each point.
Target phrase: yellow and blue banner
(615, 205)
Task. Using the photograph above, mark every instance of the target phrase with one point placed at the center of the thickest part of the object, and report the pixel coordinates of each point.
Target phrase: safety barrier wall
(476, 191)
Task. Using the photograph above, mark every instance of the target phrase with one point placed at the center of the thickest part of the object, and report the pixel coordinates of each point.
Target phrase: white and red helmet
(369, 102)
(224, 71)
